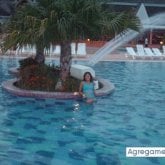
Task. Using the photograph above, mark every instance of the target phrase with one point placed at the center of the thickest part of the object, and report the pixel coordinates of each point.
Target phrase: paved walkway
(118, 55)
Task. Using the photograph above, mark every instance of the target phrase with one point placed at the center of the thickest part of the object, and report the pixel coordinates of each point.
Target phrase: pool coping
(107, 88)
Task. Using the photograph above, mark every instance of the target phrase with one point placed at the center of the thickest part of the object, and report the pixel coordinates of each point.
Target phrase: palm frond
(55, 21)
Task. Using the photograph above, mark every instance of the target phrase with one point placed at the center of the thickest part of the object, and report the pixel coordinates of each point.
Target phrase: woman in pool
(86, 89)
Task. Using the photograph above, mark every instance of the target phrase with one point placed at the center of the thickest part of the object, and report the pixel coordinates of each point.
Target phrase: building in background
(153, 7)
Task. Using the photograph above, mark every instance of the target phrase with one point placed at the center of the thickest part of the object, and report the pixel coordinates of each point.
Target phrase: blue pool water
(69, 132)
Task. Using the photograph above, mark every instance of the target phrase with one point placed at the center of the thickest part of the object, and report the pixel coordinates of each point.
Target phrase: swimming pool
(69, 132)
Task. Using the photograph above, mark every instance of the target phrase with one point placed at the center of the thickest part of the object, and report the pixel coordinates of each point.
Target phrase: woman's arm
(80, 89)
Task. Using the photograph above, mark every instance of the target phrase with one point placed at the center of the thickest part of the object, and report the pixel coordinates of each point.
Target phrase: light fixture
(161, 42)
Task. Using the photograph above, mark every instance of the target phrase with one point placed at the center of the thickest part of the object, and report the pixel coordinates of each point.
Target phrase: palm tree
(62, 22)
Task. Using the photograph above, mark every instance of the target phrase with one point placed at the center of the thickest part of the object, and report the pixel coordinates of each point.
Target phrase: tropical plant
(42, 77)
(61, 22)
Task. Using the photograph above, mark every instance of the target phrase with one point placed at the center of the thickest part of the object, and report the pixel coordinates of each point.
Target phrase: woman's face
(87, 77)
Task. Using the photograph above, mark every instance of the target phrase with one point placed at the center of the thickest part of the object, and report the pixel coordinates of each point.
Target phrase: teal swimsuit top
(88, 90)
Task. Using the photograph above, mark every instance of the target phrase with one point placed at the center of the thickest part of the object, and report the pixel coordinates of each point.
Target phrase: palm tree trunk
(65, 60)
(40, 57)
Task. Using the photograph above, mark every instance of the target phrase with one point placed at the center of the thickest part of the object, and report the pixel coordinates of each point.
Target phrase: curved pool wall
(106, 89)
(71, 132)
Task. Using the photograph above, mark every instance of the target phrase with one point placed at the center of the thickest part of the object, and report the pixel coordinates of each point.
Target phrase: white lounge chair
(56, 50)
(163, 47)
(157, 52)
(149, 52)
(131, 52)
(26, 49)
(73, 48)
(140, 50)
(81, 51)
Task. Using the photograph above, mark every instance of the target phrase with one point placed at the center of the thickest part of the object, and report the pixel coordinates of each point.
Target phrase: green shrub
(71, 84)
(42, 77)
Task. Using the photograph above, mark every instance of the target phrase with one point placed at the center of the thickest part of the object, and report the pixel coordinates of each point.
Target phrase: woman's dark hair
(91, 77)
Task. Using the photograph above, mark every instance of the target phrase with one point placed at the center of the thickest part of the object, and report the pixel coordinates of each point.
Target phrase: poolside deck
(117, 55)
